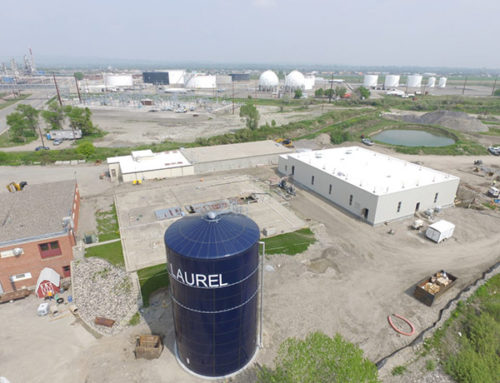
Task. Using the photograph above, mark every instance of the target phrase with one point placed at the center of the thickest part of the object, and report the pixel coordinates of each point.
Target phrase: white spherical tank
(118, 80)
(414, 81)
(431, 82)
(268, 80)
(201, 82)
(391, 81)
(442, 82)
(370, 80)
(295, 80)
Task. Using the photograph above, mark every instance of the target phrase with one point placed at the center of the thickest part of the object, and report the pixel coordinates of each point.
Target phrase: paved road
(36, 100)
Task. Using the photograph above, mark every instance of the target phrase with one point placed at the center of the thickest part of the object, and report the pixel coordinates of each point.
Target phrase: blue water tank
(213, 264)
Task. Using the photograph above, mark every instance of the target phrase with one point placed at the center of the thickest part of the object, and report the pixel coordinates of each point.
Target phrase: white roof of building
(48, 274)
(442, 226)
(146, 160)
(374, 172)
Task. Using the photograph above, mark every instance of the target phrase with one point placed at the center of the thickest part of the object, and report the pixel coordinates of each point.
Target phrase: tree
(54, 115)
(497, 92)
(18, 127)
(319, 92)
(319, 358)
(340, 91)
(85, 148)
(78, 76)
(298, 93)
(251, 114)
(329, 93)
(80, 118)
(363, 92)
(30, 114)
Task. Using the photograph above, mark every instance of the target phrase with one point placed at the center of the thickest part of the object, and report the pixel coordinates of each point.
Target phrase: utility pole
(78, 90)
(494, 85)
(465, 83)
(57, 90)
(331, 90)
(232, 83)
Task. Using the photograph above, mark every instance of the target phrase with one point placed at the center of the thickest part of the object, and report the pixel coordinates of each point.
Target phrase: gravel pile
(103, 290)
(453, 120)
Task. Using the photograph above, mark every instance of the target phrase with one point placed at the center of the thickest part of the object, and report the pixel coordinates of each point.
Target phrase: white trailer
(440, 231)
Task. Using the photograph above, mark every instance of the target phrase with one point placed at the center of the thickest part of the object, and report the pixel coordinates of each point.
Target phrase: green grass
(135, 320)
(468, 343)
(430, 365)
(12, 101)
(6, 141)
(492, 132)
(290, 243)
(398, 370)
(107, 224)
(152, 279)
(111, 252)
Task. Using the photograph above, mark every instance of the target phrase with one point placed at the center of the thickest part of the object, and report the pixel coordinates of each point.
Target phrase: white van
(440, 231)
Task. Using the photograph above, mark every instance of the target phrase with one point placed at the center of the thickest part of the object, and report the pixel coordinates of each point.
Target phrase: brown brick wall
(32, 262)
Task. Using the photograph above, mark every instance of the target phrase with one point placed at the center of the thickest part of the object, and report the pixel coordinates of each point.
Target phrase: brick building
(37, 230)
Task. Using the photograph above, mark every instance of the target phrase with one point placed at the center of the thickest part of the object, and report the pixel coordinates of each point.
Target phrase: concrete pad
(142, 233)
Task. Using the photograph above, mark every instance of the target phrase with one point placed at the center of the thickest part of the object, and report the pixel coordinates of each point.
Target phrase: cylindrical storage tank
(202, 82)
(414, 81)
(442, 82)
(370, 80)
(268, 81)
(213, 264)
(116, 80)
(431, 82)
(391, 81)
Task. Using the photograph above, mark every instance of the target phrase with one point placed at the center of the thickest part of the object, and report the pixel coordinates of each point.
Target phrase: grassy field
(5, 140)
(107, 224)
(290, 243)
(6, 103)
(152, 279)
(111, 252)
(468, 344)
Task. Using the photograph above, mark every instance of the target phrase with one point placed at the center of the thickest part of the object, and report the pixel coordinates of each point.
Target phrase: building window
(49, 249)
(312, 180)
(330, 189)
(399, 206)
(66, 271)
(293, 170)
(20, 277)
(350, 200)
(436, 197)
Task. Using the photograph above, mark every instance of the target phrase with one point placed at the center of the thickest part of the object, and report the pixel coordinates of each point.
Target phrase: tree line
(24, 123)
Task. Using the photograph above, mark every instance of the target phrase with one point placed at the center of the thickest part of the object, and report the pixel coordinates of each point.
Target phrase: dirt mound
(454, 120)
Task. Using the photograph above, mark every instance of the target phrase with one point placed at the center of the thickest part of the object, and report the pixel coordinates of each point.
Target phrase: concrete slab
(142, 233)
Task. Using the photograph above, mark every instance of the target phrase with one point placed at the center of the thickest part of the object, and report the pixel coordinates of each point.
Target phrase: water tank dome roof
(268, 78)
(212, 236)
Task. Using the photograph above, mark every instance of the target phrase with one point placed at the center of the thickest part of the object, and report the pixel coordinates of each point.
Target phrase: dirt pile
(454, 120)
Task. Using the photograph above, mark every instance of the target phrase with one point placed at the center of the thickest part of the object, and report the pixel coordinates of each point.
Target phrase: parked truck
(440, 231)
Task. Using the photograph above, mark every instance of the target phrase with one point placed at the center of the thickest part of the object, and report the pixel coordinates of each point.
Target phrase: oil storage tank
(370, 80)
(391, 81)
(442, 82)
(414, 81)
(213, 263)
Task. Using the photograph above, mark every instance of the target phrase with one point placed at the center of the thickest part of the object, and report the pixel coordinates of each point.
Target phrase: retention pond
(405, 137)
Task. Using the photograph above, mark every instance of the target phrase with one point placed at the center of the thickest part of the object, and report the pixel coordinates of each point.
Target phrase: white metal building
(373, 186)
(146, 165)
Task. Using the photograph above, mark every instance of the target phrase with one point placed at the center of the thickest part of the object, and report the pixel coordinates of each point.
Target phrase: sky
(432, 33)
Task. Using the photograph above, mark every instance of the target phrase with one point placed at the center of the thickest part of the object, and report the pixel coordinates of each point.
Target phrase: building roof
(35, 212)
(234, 151)
(374, 172)
(146, 160)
